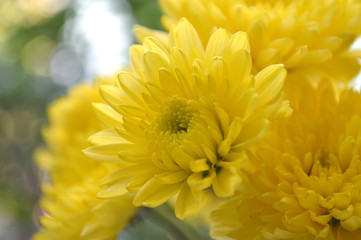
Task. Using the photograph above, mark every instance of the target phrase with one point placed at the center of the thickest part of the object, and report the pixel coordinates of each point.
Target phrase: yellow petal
(142, 32)
(239, 68)
(269, 83)
(224, 184)
(107, 115)
(114, 189)
(172, 177)
(132, 86)
(251, 134)
(267, 57)
(216, 44)
(199, 165)
(352, 223)
(186, 204)
(283, 45)
(154, 193)
(184, 36)
(105, 137)
(199, 181)
(153, 62)
(104, 153)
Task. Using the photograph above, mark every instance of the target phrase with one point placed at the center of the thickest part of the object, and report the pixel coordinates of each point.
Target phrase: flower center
(324, 162)
(175, 117)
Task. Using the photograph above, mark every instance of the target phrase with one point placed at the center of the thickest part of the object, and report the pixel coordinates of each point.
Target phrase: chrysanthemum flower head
(72, 209)
(311, 38)
(308, 181)
(187, 115)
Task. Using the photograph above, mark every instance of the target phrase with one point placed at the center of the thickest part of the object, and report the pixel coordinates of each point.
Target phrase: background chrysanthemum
(72, 210)
(311, 38)
(306, 183)
(187, 115)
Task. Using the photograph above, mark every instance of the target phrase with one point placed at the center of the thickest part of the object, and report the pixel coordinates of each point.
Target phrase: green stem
(164, 216)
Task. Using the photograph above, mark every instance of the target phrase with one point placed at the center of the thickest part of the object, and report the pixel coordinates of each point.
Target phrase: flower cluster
(308, 175)
(311, 38)
(188, 115)
(72, 210)
(203, 114)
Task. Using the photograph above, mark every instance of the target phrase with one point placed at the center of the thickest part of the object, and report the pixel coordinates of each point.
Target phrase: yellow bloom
(187, 115)
(308, 182)
(73, 211)
(311, 38)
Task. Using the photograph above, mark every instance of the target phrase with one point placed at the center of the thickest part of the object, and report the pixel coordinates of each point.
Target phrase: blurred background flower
(47, 46)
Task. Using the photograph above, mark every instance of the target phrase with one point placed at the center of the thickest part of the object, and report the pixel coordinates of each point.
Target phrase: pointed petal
(154, 193)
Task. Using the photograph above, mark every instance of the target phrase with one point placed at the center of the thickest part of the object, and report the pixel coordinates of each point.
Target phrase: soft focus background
(47, 46)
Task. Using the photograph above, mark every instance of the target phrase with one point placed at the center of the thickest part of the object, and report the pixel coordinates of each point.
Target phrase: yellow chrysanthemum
(72, 209)
(308, 182)
(186, 115)
(311, 38)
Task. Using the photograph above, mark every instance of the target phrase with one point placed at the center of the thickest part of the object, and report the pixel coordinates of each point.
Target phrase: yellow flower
(308, 181)
(311, 38)
(186, 116)
(72, 209)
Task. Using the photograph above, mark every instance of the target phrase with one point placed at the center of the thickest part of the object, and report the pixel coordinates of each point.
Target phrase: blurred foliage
(21, 35)
(25, 90)
(147, 13)
(24, 58)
